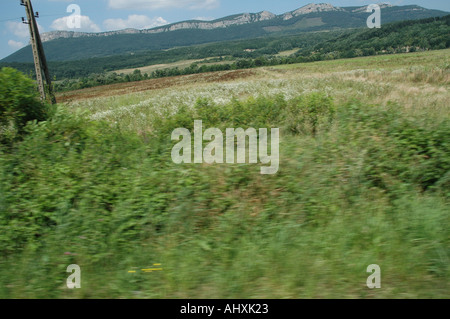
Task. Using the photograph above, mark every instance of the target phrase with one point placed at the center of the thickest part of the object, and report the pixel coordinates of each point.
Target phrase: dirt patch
(153, 84)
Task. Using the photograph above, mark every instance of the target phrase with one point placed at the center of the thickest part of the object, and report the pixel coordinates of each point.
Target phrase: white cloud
(134, 21)
(87, 25)
(20, 29)
(162, 4)
(16, 45)
(204, 18)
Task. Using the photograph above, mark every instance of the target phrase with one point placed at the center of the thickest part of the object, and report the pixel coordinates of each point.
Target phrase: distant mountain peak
(266, 15)
(316, 7)
(311, 8)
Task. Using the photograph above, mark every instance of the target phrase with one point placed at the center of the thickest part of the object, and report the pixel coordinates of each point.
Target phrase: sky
(109, 15)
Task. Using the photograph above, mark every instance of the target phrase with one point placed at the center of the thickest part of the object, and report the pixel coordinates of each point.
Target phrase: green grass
(392, 61)
(371, 186)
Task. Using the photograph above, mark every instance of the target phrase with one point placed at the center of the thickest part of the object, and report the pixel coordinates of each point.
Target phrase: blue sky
(107, 15)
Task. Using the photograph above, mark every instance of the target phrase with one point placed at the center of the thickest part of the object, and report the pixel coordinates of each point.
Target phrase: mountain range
(69, 46)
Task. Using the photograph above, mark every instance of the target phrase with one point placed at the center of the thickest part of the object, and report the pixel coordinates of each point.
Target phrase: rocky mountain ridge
(239, 19)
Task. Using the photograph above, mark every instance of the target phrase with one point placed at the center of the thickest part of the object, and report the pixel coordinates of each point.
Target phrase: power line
(11, 19)
(41, 16)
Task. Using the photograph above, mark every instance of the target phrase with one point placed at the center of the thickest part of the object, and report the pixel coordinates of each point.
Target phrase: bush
(399, 150)
(310, 113)
(19, 104)
(64, 175)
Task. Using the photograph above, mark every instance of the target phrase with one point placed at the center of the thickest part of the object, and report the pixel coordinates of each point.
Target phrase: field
(180, 64)
(364, 179)
(417, 81)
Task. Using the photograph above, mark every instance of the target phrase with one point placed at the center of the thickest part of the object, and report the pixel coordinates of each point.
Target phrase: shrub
(19, 104)
(310, 113)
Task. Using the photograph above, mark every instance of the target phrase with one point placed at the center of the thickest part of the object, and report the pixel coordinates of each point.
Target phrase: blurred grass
(371, 186)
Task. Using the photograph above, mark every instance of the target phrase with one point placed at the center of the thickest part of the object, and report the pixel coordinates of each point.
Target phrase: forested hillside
(71, 49)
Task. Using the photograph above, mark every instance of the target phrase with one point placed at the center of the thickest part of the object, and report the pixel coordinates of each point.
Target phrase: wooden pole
(40, 62)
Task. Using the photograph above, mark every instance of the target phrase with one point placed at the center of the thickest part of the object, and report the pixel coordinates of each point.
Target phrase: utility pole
(40, 62)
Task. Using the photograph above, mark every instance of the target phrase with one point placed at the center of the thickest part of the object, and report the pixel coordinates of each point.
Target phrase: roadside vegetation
(364, 179)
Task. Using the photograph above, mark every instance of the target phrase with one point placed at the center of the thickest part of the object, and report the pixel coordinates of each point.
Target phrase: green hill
(70, 49)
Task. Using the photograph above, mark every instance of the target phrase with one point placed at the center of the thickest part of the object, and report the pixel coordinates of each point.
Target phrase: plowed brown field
(153, 84)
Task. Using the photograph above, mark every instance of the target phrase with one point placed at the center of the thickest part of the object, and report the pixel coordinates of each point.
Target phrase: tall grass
(359, 184)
